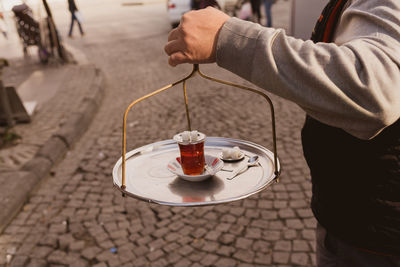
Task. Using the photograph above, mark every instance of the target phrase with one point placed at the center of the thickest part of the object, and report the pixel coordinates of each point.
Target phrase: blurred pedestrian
(347, 80)
(75, 16)
(267, 5)
(255, 9)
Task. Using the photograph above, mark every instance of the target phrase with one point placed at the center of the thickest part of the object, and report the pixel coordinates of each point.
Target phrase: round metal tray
(147, 176)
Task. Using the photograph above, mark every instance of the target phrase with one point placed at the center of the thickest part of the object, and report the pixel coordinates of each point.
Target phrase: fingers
(173, 46)
(173, 35)
(176, 53)
(177, 58)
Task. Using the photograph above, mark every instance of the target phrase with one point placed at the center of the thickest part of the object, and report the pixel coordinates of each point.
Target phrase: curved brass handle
(196, 69)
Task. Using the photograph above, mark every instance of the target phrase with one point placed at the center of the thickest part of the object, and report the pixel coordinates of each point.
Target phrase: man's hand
(195, 39)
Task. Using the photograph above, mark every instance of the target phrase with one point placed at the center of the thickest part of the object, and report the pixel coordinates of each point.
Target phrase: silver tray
(148, 179)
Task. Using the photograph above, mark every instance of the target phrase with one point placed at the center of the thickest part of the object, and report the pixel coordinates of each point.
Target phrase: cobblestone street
(76, 218)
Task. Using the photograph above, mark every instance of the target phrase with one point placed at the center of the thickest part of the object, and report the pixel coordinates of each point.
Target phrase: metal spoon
(253, 161)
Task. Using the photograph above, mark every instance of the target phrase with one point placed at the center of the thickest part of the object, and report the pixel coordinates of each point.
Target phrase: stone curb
(16, 186)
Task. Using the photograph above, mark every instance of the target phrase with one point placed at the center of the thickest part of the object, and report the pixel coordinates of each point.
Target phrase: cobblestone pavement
(76, 217)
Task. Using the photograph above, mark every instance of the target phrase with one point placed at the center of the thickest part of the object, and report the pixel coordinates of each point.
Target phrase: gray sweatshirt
(353, 83)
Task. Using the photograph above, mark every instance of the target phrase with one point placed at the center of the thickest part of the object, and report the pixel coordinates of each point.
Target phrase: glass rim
(200, 138)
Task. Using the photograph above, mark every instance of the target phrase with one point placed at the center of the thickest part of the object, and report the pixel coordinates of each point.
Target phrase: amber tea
(192, 158)
(191, 146)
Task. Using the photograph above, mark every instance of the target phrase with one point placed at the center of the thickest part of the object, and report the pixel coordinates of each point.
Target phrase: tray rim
(270, 154)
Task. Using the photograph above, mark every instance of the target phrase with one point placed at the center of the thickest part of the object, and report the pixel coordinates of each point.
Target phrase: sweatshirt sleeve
(352, 83)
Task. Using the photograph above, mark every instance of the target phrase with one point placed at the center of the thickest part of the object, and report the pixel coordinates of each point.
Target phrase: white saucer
(213, 165)
(230, 159)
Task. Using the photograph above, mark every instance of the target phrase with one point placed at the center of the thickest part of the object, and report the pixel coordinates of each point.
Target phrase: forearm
(353, 86)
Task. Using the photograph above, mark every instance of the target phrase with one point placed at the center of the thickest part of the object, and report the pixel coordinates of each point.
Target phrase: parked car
(176, 8)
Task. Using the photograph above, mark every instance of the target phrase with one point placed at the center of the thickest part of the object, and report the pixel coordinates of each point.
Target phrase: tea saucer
(213, 165)
(231, 159)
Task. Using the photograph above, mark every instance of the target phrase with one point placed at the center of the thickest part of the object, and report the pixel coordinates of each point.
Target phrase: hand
(195, 39)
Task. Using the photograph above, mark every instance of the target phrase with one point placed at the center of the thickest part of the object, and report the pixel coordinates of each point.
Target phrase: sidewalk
(67, 98)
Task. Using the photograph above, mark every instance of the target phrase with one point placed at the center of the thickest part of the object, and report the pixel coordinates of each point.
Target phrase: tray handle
(183, 80)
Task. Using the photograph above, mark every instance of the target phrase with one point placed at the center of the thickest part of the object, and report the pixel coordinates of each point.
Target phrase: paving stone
(280, 257)
(296, 195)
(200, 232)
(300, 245)
(289, 234)
(243, 243)
(184, 240)
(308, 234)
(58, 257)
(310, 223)
(64, 241)
(209, 260)
(173, 257)
(243, 221)
(126, 255)
(196, 256)
(286, 213)
(156, 244)
(263, 224)
(160, 263)
(237, 230)
(223, 227)
(276, 225)
(264, 204)
(170, 247)
(155, 254)
(283, 246)
(105, 255)
(304, 213)
(280, 204)
(210, 246)
(244, 255)
(77, 246)
(228, 218)
(160, 232)
(144, 240)
(41, 252)
(185, 250)
(213, 235)
(253, 233)
(263, 258)
(37, 263)
(183, 263)
(225, 262)
(227, 239)
(252, 213)
(119, 234)
(106, 244)
(19, 261)
(294, 224)
(237, 211)
(271, 235)
(225, 250)
(301, 259)
(26, 249)
(269, 215)
(282, 195)
(261, 246)
(90, 252)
